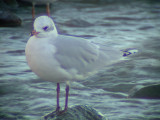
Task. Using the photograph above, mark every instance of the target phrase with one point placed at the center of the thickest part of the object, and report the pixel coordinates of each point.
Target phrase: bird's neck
(52, 34)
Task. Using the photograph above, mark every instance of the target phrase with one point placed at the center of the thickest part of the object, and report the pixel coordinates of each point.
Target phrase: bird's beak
(34, 33)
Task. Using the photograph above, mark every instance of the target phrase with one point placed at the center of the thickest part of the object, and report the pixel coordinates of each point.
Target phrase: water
(23, 96)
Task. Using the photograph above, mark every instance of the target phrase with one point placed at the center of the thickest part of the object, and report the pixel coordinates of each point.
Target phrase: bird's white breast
(40, 58)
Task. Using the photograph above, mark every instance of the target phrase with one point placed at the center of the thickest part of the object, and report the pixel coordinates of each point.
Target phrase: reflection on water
(134, 25)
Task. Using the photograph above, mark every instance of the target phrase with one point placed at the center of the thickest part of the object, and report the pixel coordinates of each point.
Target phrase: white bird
(59, 58)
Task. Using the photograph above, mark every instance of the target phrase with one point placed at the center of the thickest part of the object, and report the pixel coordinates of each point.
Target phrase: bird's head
(43, 26)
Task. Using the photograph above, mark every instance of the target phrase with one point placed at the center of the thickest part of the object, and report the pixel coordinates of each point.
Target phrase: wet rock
(9, 19)
(79, 112)
(11, 3)
(8, 5)
(24, 2)
(72, 0)
(3, 5)
(29, 3)
(146, 92)
(97, 1)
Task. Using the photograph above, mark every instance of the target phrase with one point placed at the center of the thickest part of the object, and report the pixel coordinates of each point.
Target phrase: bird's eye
(45, 28)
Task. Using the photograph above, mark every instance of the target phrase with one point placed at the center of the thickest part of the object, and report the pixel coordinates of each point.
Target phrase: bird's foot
(61, 112)
(54, 113)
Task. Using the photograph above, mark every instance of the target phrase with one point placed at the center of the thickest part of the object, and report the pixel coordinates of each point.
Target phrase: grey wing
(75, 53)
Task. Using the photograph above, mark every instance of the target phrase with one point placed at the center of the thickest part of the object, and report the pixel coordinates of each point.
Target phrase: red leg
(33, 10)
(58, 91)
(48, 10)
(67, 94)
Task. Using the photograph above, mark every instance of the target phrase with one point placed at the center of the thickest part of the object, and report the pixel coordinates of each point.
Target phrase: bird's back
(83, 56)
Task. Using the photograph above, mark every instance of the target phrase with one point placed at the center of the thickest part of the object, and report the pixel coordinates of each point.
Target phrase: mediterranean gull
(60, 58)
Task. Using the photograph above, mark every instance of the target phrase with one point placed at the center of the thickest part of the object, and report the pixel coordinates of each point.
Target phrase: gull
(34, 2)
(62, 59)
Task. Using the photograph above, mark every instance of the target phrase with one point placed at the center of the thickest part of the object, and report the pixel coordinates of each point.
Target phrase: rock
(9, 19)
(147, 92)
(24, 2)
(8, 5)
(11, 3)
(79, 112)
(3, 5)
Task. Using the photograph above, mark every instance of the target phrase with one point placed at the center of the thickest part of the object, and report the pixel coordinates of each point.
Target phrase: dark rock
(24, 2)
(79, 112)
(8, 5)
(72, 0)
(147, 92)
(29, 3)
(9, 19)
(11, 3)
(99, 1)
(3, 5)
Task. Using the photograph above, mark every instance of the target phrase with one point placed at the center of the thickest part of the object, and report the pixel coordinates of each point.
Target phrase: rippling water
(122, 25)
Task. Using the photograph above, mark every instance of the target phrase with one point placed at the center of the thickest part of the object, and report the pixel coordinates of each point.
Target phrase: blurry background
(121, 24)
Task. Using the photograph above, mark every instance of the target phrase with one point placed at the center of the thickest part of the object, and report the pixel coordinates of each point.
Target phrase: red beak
(34, 33)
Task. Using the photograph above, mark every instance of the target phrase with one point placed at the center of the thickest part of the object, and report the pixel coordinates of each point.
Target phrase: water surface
(119, 25)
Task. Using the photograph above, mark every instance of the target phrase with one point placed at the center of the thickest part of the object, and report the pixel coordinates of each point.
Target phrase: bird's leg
(66, 101)
(67, 94)
(54, 113)
(57, 112)
(58, 91)
(33, 10)
(48, 9)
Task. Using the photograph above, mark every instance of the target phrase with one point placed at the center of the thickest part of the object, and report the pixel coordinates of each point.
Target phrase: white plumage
(60, 58)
